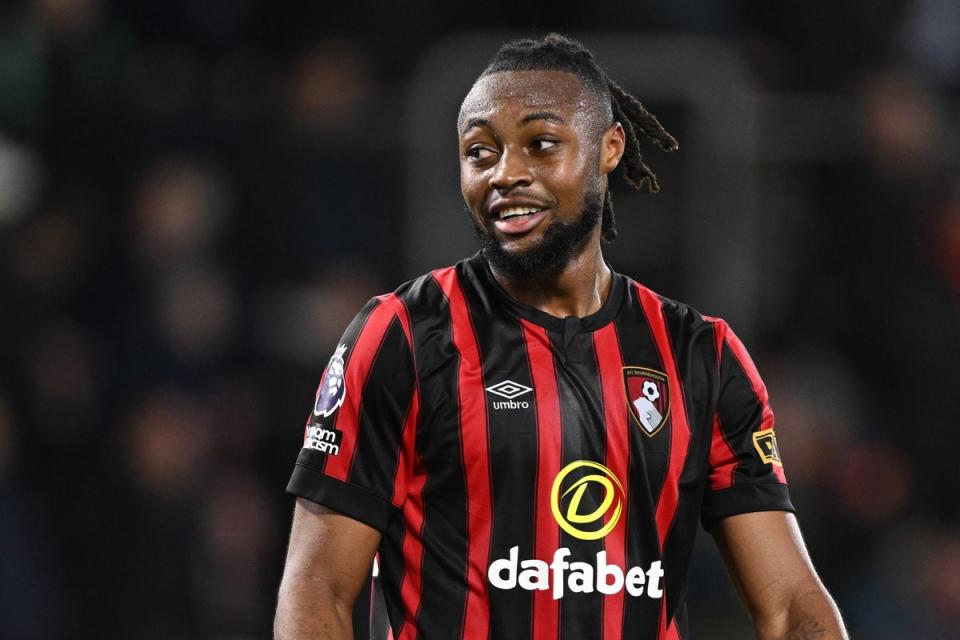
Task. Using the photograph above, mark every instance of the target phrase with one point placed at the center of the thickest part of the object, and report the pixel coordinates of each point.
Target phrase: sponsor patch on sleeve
(765, 443)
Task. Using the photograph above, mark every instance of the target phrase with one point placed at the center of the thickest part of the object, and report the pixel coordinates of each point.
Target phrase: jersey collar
(603, 316)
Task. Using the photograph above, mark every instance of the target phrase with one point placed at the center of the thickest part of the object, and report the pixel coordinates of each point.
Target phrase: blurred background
(196, 197)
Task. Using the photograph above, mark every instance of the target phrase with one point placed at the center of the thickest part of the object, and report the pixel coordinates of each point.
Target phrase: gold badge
(766, 444)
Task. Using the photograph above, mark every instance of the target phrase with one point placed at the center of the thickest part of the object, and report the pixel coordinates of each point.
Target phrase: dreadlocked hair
(555, 52)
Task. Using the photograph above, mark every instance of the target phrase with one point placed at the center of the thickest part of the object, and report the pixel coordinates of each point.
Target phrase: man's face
(534, 154)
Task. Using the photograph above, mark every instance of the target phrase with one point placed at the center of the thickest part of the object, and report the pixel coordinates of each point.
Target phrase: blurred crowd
(196, 197)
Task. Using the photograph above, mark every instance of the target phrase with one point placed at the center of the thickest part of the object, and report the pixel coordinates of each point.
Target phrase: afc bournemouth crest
(332, 388)
(648, 396)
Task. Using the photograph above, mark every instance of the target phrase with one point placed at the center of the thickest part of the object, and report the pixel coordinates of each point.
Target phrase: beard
(554, 251)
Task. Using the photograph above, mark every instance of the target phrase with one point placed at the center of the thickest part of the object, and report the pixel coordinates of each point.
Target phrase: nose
(511, 171)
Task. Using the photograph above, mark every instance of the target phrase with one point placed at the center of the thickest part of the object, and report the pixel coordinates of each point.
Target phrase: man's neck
(579, 289)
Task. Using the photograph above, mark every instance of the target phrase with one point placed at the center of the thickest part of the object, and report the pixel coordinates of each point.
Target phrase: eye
(542, 144)
(478, 152)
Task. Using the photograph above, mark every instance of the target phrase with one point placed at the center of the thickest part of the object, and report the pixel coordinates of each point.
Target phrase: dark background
(196, 197)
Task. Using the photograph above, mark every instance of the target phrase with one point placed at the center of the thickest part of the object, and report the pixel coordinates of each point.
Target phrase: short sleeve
(746, 472)
(358, 440)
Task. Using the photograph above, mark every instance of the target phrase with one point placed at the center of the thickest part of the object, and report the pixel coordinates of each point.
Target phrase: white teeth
(518, 211)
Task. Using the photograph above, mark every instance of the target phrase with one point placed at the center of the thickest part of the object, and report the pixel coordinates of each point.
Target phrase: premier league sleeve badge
(333, 388)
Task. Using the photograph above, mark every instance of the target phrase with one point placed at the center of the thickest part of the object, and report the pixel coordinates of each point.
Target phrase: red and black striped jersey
(532, 476)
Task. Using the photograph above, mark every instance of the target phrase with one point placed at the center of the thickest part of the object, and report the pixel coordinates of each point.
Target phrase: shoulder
(404, 306)
(682, 320)
(424, 293)
(696, 333)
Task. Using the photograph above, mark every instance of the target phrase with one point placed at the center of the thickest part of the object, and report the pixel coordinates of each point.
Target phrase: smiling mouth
(517, 212)
(519, 220)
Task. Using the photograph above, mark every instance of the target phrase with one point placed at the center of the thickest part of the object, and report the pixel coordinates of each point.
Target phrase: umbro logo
(510, 390)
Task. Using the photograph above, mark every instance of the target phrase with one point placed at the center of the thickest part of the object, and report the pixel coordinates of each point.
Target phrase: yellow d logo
(612, 490)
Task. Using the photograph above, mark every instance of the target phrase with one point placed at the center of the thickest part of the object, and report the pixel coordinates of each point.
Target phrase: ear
(612, 145)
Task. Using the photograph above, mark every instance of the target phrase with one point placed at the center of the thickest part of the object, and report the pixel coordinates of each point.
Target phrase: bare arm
(328, 560)
(772, 572)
